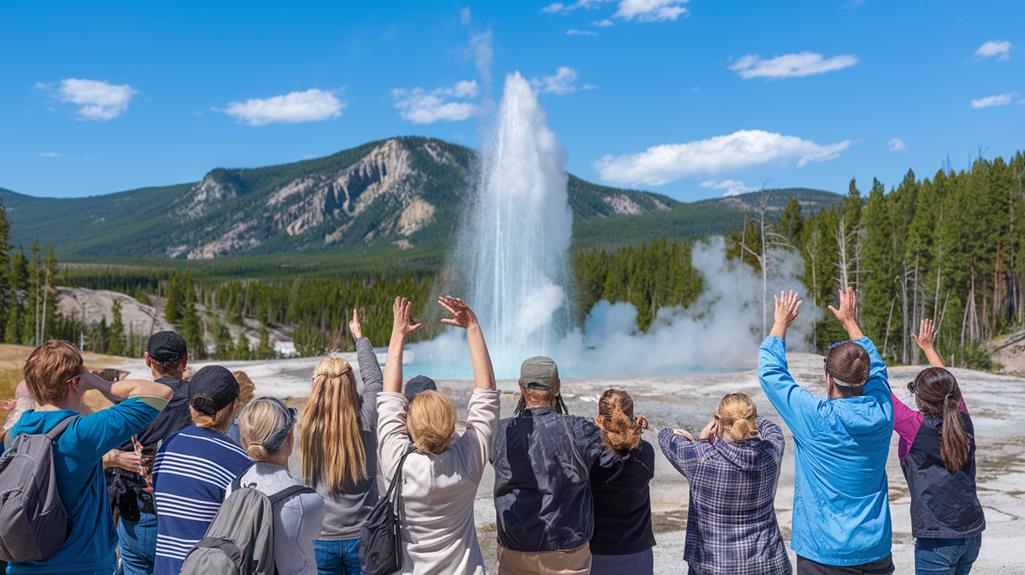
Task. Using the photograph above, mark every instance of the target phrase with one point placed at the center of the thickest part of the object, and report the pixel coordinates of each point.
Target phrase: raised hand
(402, 323)
(462, 315)
(847, 313)
(926, 334)
(355, 327)
(925, 338)
(787, 305)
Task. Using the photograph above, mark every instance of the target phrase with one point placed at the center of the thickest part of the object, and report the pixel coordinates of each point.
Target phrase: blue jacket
(841, 500)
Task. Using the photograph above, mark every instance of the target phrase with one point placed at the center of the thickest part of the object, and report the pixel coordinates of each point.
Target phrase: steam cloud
(720, 331)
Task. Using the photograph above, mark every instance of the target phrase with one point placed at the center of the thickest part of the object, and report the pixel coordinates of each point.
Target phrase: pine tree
(5, 267)
(115, 344)
(191, 327)
(791, 222)
(175, 299)
(264, 349)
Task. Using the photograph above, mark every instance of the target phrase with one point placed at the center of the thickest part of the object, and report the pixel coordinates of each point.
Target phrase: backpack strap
(288, 492)
(58, 429)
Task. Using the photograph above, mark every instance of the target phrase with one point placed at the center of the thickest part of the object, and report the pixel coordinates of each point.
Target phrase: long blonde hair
(737, 417)
(258, 421)
(432, 421)
(331, 440)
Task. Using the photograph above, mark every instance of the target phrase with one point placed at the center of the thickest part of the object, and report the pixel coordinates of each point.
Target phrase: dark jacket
(542, 463)
(127, 488)
(622, 504)
(944, 505)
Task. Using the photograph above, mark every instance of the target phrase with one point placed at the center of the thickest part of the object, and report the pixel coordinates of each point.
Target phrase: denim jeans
(946, 556)
(337, 556)
(138, 545)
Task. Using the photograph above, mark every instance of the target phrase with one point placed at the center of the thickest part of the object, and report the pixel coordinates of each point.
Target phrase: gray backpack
(240, 540)
(33, 522)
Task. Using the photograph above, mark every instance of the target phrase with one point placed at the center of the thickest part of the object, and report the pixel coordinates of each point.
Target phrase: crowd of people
(189, 473)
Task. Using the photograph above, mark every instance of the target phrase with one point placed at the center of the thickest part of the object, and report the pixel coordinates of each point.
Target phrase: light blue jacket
(841, 501)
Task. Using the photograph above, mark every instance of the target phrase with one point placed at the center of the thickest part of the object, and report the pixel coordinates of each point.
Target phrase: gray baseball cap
(541, 373)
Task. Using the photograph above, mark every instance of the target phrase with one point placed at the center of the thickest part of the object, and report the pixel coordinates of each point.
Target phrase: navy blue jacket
(542, 463)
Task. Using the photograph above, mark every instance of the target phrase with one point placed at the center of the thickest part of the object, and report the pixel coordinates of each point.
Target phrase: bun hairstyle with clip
(737, 417)
(620, 428)
(264, 426)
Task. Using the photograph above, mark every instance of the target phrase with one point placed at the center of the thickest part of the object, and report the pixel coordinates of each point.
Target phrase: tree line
(949, 247)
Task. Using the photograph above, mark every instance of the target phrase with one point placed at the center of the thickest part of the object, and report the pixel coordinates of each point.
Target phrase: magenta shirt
(907, 421)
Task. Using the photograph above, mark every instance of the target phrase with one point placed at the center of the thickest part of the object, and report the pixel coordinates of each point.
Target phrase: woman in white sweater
(440, 478)
(265, 427)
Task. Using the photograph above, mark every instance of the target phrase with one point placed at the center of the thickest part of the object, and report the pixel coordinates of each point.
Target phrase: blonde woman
(733, 469)
(265, 426)
(338, 440)
(622, 538)
(439, 479)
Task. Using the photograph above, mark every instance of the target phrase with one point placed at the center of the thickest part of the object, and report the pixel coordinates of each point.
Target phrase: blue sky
(689, 98)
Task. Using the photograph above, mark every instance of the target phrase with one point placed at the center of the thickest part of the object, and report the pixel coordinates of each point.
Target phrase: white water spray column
(517, 233)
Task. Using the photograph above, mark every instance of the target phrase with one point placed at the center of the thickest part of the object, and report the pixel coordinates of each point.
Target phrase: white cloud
(993, 101)
(49, 154)
(650, 10)
(729, 187)
(604, 23)
(561, 83)
(791, 65)
(896, 145)
(449, 104)
(96, 100)
(557, 7)
(742, 149)
(999, 49)
(292, 108)
(578, 32)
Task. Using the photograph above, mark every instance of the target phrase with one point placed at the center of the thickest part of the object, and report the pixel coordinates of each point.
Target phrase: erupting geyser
(516, 234)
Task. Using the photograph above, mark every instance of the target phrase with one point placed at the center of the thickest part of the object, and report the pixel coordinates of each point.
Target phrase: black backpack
(380, 547)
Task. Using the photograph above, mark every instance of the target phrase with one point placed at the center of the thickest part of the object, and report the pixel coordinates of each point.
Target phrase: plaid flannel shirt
(731, 521)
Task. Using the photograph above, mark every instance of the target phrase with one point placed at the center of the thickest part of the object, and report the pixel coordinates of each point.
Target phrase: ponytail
(738, 417)
(938, 393)
(954, 444)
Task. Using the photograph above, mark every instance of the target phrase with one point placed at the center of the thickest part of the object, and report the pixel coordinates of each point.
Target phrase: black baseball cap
(212, 389)
(166, 347)
(418, 384)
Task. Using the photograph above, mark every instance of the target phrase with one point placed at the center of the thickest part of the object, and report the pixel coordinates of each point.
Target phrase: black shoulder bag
(380, 546)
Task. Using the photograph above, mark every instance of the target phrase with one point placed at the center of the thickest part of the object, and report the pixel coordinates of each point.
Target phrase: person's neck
(539, 406)
(175, 375)
(279, 458)
(67, 404)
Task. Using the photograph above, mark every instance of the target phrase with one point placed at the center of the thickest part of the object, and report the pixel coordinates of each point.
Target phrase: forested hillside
(949, 247)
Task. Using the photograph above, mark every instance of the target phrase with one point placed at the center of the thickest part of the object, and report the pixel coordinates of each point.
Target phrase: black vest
(944, 505)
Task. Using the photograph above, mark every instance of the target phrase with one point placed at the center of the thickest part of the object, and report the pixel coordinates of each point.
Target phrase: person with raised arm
(57, 381)
(440, 471)
(937, 455)
(338, 439)
(841, 518)
(733, 469)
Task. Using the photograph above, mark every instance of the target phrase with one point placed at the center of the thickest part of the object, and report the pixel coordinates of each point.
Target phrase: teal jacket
(841, 500)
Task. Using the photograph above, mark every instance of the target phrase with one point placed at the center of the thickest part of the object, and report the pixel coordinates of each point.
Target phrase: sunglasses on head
(274, 441)
(913, 387)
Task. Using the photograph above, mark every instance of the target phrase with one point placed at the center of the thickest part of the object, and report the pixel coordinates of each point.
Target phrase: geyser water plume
(515, 237)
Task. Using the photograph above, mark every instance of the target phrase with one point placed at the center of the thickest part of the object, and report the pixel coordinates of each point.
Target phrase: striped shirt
(193, 469)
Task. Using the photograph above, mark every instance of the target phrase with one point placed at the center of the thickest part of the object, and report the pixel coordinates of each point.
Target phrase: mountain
(403, 193)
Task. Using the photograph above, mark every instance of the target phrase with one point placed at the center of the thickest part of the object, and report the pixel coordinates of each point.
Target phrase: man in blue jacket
(841, 519)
